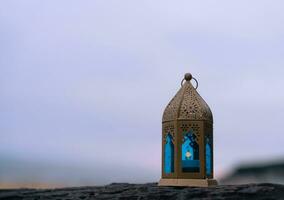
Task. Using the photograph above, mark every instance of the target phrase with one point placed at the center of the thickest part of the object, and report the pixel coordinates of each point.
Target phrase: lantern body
(187, 140)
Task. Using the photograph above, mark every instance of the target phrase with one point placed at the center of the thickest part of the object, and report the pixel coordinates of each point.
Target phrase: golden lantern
(187, 139)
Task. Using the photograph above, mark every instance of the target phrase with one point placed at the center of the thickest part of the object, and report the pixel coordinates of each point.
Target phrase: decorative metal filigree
(187, 104)
(171, 111)
(168, 128)
(190, 127)
(208, 128)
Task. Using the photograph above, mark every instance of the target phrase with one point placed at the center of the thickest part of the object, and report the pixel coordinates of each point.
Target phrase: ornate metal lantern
(187, 139)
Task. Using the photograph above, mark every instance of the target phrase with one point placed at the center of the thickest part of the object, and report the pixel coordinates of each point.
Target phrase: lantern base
(188, 182)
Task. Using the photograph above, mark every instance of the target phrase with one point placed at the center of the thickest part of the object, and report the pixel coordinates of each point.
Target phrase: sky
(83, 84)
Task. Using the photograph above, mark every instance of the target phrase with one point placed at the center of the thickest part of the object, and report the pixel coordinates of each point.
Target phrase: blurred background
(83, 85)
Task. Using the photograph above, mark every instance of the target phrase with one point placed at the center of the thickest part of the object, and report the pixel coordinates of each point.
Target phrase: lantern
(187, 139)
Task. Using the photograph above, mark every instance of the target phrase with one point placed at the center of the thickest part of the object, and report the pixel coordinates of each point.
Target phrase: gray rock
(125, 191)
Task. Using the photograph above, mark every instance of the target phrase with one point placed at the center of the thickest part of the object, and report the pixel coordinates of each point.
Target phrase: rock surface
(149, 191)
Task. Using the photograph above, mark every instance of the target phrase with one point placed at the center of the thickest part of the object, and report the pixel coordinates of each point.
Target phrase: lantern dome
(187, 104)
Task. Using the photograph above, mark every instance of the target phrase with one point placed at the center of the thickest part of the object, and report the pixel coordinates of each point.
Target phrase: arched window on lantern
(169, 154)
(190, 153)
(208, 156)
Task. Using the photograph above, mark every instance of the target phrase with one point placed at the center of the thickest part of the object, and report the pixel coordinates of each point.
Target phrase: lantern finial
(188, 76)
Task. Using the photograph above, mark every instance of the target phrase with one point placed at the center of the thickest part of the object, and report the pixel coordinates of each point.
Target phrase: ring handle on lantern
(188, 77)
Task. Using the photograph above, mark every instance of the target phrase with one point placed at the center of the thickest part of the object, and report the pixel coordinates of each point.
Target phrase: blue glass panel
(208, 155)
(190, 153)
(169, 155)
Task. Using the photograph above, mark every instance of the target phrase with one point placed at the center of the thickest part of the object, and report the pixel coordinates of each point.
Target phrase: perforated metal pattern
(208, 129)
(168, 128)
(187, 104)
(171, 111)
(186, 127)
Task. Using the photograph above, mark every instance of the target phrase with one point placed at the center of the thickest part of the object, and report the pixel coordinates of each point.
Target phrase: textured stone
(121, 191)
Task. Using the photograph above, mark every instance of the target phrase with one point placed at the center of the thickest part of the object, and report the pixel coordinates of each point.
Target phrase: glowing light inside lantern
(187, 155)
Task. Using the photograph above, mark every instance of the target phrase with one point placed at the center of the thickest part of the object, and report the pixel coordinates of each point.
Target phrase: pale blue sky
(83, 84)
